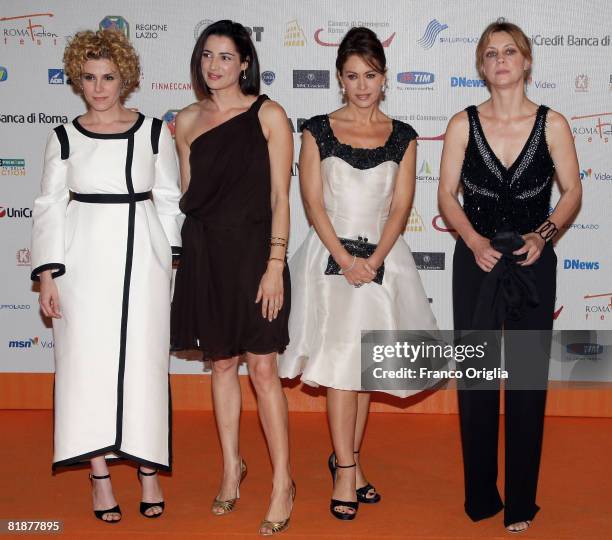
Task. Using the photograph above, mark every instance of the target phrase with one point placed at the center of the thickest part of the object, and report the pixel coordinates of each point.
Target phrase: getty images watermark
(479, 360)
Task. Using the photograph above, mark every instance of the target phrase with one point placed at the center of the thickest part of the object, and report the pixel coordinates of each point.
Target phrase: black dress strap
(258, 103)
(156, 127)
(62, 137)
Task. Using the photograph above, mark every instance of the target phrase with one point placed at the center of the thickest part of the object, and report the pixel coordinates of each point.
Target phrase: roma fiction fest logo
(598, 307)
(24, 257)
(294, 35)
(28, 29)
(592, 127)
(311, 78)
(12, 167)
(256, 32)
(332, 35)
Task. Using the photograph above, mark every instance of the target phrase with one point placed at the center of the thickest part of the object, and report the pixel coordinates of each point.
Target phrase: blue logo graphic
(577, 264)
(3, 73)
(464, 82)
(56, 76)
(268, 77)
(431, 33)
(415, 77)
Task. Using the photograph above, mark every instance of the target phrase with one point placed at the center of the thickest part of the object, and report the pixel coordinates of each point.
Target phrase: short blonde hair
(108, 44)
(522, 42)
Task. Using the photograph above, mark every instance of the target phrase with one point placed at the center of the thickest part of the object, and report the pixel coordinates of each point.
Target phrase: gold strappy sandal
(219, 507)
(277, 527)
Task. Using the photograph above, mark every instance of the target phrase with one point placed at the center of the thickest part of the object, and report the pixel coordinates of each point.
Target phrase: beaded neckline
(356, 148)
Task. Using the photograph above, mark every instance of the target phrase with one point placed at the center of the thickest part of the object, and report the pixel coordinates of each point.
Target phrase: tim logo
(56, 76)
(415, 77)
(431, 33)
(115, 22)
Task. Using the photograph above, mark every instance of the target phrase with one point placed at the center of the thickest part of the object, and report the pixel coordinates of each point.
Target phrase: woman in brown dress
(232, 286)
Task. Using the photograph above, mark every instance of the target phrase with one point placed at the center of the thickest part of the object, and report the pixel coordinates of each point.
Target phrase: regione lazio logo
(56, 76)
(115, 22)
(432, 31)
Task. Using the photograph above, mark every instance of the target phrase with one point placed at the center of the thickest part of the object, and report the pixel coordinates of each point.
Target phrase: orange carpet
(414, 461)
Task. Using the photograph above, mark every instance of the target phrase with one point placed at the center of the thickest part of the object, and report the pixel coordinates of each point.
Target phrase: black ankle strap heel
(362, 492)
(144, 506)
(101, 513)
(333, 465)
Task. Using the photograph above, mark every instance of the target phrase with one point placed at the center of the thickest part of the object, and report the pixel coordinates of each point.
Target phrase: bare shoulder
(555, 121)
(458, 128)
(272, 112)
(189, 113)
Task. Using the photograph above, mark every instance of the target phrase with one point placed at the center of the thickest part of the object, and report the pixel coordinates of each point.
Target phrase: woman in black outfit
(504, 154)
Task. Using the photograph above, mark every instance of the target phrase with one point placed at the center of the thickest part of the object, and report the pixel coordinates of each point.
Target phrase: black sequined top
(360, 158)
(497, 198)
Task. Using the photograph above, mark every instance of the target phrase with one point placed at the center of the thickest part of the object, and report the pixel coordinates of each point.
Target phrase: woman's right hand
(486, 257)
(360, 273)
(49, 296)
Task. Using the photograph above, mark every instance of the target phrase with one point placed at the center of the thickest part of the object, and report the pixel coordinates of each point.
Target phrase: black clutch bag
(360, 248)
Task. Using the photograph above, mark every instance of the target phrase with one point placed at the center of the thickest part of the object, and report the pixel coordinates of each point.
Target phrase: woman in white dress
(357, 175)
(104, 225)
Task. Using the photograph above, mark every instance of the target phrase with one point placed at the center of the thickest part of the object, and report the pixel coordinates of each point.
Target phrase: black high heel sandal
(144, 506)
(333, 465)
(101, 513)
(362, 492)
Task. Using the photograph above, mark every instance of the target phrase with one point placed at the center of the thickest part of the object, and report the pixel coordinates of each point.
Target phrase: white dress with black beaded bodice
(327, 313)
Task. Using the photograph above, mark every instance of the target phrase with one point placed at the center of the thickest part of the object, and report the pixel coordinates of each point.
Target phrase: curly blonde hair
(108, 44)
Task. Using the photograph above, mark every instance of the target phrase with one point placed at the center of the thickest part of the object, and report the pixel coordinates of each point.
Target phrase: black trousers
(524, 408)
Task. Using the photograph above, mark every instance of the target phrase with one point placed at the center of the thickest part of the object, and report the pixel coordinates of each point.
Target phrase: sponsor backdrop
(431, 75)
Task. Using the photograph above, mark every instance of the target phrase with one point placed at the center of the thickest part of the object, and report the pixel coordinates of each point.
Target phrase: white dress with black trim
(104, 223)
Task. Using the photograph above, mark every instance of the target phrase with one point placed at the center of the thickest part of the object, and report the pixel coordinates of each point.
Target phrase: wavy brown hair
(103, 44)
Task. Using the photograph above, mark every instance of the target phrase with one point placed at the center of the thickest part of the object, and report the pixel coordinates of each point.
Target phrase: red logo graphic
(556, 313)
(436, 138)
(601, 128)
(439, 224)
(2, 212)
(385, 43)
(30, 27)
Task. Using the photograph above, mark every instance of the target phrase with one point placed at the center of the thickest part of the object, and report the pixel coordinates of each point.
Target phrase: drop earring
(244, 74)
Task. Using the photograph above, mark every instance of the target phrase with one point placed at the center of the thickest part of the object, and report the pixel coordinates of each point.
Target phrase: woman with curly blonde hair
(104, 224)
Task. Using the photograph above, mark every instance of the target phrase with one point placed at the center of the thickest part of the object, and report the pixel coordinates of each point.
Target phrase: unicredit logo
(11, 212)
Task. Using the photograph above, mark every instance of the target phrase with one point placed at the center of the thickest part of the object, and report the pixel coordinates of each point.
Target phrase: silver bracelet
(343, 270)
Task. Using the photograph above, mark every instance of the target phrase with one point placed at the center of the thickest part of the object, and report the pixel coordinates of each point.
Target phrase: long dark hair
(244, 45)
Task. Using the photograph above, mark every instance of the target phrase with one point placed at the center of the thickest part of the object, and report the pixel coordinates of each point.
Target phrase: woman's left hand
(270, 292)
(534, 244)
